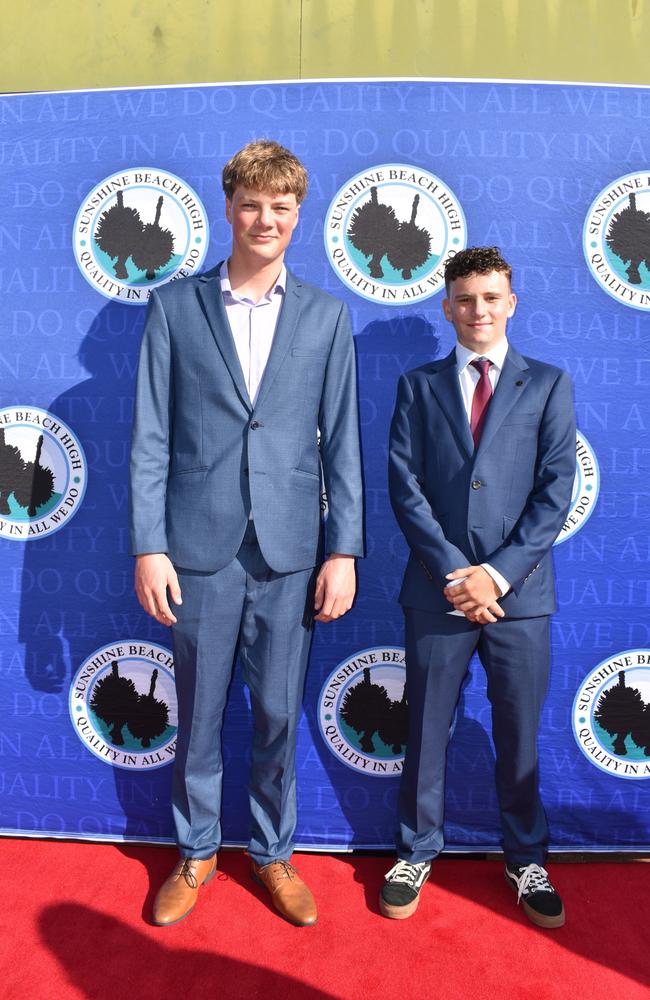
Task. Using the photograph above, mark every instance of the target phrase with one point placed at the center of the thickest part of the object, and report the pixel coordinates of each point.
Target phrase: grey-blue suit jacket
(203, 457)
(503, 504)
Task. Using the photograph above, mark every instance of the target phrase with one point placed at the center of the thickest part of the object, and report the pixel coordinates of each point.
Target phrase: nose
(265, 217)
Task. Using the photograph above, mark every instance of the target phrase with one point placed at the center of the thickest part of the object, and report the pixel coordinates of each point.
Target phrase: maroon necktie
(481, 398)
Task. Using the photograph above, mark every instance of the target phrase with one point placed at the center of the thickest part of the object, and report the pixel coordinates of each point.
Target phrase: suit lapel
(282, 338)
(445, 386)
(209, 289)
(512, 382)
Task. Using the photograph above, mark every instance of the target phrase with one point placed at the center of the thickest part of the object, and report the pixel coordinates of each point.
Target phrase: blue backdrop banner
(106, 195)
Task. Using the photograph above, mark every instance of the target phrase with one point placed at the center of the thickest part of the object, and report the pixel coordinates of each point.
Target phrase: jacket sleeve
(413, 511)
(548, 503)
(150, 446)
(338, 421)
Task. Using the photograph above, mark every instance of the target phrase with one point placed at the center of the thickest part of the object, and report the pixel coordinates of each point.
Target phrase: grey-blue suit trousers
(265, 617)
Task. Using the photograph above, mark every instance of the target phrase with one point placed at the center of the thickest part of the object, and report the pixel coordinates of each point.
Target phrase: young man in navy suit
(240, 369)
(481, 469)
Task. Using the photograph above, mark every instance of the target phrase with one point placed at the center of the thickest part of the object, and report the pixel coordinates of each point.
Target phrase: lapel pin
(519, 381)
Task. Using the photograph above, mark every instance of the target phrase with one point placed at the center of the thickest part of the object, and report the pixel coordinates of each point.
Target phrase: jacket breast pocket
(301, 352)
(518, 419)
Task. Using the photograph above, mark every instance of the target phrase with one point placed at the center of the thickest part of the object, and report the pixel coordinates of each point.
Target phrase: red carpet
(74, 925)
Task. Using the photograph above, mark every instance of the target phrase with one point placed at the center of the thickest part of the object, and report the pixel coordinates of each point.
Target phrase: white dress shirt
(253, 326)
(468, 378)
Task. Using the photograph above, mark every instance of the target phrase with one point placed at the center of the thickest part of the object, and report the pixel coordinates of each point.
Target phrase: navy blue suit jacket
(503, 504)
(203, 456)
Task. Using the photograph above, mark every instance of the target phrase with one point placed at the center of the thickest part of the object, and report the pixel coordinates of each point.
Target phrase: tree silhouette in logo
(372, 229)
(154, 246)
(364, 707)
(115, 700)
(628, 237)
(35, 485)
(152, 717)
(641, 730)
(11, 469)
(118, 231)
(618, 710)
(411, 245)
(393, 728)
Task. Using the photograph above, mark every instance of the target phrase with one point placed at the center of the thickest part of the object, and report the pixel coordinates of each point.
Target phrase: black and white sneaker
(400, 893)
(539, 899)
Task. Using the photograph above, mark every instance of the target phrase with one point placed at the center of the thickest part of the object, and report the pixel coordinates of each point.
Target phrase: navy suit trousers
(515, 655)
(249, 610)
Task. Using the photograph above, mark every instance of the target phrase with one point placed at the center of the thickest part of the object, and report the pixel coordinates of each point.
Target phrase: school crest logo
(390, 230)
(43, 473)
(616, 240)
(362, 711)
(586, 486)
(611, 715)
(138, 229)
(123, 705)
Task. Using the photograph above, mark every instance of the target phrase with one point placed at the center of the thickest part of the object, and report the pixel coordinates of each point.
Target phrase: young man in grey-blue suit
(482, 463)
(240, 369)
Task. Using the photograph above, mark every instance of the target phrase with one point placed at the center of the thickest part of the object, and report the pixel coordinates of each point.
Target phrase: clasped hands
(476, 596)
(155, 577)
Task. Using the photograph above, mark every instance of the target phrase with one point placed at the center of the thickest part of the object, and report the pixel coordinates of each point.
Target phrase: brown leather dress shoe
(289, 894)
(177, 895)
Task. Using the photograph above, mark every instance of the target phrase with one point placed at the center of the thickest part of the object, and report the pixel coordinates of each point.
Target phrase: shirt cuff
(500, 581)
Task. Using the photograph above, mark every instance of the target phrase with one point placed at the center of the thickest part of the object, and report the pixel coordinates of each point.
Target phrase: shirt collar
(279, 287)
(497, 355)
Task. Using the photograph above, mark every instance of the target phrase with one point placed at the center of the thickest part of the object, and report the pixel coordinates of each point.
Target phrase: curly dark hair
(476, 260)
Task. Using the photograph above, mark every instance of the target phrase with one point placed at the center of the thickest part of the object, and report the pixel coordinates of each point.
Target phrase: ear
(446, 308)
(512, 304)
(296, 218)
(229, 210)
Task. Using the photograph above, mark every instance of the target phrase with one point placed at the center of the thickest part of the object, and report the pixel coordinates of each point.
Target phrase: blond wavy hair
(265, 165)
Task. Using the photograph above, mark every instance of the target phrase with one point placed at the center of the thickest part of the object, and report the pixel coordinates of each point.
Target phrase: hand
(154, 574)
(336, 586)
(476, 596)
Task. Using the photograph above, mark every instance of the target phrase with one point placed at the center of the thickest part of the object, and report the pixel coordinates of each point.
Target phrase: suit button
(254, 425)
(476, 484)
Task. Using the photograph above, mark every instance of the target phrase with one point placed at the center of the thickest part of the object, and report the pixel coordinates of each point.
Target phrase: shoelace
(404, 871)
(534, 878)
(187, 872)
(288, 871)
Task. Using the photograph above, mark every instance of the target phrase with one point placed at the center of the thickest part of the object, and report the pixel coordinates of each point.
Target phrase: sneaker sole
(540, 919)
(398, 912)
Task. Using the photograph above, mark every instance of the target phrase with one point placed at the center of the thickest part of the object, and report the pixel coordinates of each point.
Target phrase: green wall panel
(70, 44)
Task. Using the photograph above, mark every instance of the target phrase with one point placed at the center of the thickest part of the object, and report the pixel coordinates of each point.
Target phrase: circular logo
(390, 230)
(586, 486)
(138, 229)
(123, 705)
(362, 711)
(43, 473)
(611, 715)
(616, 240)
